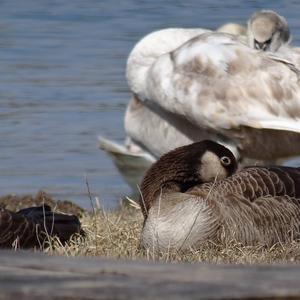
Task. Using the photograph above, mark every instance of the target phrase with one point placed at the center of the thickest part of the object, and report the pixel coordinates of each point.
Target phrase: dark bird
(194, 194)
(32, 227)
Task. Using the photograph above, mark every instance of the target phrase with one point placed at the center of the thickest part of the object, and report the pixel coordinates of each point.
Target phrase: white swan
(224, 87)
(158, 128)
(139, 121)
(210, 68)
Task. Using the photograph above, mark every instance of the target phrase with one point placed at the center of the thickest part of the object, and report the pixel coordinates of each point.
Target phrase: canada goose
(267, 31)
(192, 194)
(31, 227)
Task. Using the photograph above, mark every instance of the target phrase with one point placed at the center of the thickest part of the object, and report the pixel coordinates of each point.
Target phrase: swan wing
(132, 162)
(215, 81)
(122, 153)
(152, 46)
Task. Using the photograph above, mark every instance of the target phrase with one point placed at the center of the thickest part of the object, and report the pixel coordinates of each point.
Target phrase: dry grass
(116, 235)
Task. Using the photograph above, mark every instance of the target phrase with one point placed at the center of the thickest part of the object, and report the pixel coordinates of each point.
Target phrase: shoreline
(116, 235)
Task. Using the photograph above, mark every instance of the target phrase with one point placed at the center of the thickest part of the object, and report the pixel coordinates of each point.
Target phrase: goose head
(267, 31)
(185, 167)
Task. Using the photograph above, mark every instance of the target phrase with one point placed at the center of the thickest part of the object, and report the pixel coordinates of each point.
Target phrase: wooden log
(28, 275)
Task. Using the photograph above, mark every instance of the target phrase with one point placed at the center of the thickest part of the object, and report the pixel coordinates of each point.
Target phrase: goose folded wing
(267, 220)
(31, 227)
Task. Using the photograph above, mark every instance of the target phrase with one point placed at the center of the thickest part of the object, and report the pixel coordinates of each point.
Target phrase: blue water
(62, 84)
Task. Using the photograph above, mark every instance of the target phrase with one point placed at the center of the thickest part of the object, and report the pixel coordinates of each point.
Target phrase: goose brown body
(255, 182)
(256, 205)
(31, 227)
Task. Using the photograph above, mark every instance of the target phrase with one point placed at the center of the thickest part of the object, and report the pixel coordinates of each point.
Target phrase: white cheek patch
(211, 167)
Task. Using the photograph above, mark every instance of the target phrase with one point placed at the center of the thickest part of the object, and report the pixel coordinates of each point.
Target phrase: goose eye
(225, 161)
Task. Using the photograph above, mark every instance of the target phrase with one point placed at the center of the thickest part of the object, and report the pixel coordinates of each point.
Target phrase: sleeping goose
(192, 194)
(32, 227)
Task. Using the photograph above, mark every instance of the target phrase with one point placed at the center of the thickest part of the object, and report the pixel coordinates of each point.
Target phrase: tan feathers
(256, 205)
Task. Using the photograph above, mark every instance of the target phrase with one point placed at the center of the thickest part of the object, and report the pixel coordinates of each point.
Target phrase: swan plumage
(130, 159)
(164, 111)
(219, 84)
(145, 126)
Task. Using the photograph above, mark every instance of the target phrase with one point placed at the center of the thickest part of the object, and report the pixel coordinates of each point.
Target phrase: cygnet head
(233, 28)
(267, 31)
(187, 166)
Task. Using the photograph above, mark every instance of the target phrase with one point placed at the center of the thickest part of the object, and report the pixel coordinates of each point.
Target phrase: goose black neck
(176, 171)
